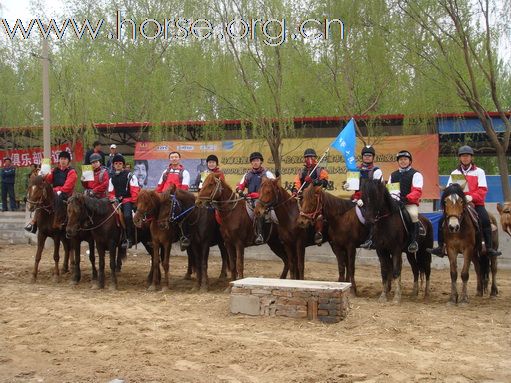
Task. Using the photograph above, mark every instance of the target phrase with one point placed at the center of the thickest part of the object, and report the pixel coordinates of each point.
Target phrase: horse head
(268, 196)
(211, 189)
(40, 193)
(312, 205)
(148, 205)
(454, 204)
(76, 214)
(505, 216)
(378, 202)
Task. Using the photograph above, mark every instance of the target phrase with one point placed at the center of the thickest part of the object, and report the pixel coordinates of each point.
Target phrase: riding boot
(128, 237)
(413, 247)
(259, 240)
(184, 241)
(368, 244)
(31, 227)
(318, 226)
(440, 250)
(490, 251)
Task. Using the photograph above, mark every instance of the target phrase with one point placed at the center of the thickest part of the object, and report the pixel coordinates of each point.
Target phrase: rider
(212, 164)
(252, 181)
(63, 179)
(98, 186)
(175, 174)
(318, 177)
(368, 170)
(477, 189)
(123, 188)
(410, 191)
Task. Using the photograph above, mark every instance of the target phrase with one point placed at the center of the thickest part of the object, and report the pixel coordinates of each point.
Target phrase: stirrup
(318, 238)
(438, 251)
(184, 243)
(367, 244)
(31, 228)
(492, 252)
(126, 243)
(259, 240)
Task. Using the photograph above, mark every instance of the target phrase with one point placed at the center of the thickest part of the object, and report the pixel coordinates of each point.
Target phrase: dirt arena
(59, 333)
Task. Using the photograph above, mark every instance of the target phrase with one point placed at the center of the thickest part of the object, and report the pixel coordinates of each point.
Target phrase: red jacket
(97, 187)
(476, 181)
(69, 185)
(133, 188)
(179, 177)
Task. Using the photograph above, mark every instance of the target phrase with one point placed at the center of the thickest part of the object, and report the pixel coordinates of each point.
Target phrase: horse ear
(500, 208)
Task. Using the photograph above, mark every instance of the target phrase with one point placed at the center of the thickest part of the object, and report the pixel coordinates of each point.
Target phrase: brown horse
(461, 236)
(97, 217)
(236, 225)
(295, 238)
(345, 232)
(505, 216)
(391, 240)
(41, 202)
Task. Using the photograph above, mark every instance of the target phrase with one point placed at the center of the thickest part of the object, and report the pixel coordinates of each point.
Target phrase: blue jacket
(8, 175)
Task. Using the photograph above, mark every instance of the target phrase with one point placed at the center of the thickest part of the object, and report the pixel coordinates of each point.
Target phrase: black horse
(391, 240)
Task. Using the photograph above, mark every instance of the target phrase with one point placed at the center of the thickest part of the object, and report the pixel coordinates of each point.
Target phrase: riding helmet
(65, 154)
(368, 149)
(212, 157)
(255, 156)
(118, 158)
(95, 157)
(404, 153)
(309, 153)
(465, 150)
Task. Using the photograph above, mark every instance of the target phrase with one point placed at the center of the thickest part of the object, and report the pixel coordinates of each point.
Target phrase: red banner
(26, 157)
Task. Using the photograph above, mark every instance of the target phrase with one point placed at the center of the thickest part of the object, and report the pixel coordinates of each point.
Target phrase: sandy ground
(58, 333)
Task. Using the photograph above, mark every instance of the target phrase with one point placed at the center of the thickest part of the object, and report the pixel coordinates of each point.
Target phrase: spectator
(8, 177)
(96, 148)
(109, 164)
(128, 167)
(141, 170)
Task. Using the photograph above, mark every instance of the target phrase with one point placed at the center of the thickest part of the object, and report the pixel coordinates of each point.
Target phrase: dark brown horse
(97, 217)
(236, 225)
(295, 238)
(391, 240)
(462, 237)
(345, 232)
(41, 202)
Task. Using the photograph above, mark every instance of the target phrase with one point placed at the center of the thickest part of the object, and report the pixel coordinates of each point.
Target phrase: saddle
(271, 217)
(472, 213)
(407, 222)
(119, 218)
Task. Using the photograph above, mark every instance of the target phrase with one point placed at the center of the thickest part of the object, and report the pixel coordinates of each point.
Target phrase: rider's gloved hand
(468, 198)
(359, 202)
(59, 192)
(308, 179)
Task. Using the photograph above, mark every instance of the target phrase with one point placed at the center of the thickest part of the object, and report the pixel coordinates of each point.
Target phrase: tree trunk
(504, 173)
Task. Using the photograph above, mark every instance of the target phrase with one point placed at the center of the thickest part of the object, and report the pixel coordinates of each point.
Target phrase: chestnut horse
(97, 217)
(345, 232)
(41, 201)
(505, 216)
(295, 238)
(391, 240)
(236, 225)
(461, 236)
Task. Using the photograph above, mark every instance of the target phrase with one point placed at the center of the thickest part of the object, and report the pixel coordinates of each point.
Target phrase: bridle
(459, 217)
(216, 203)
(39, 204)
(319, 208)
(91, 217)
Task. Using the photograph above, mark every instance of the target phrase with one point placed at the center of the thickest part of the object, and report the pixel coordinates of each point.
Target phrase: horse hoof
(396, 300)
(194, 289)
(222, 277)
(151, 288)
(451, 303)
(382, 299)
(33, 280)
(73, 283)
(56, 279)
(65, 271)
(164, 289)
(112, 287)
(187, 277)
(204, 289)
(464, 303)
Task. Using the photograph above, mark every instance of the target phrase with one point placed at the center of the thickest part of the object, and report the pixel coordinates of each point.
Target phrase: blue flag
(345, 142)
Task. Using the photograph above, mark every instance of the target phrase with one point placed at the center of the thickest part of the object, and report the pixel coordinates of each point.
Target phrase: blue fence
(494, 188)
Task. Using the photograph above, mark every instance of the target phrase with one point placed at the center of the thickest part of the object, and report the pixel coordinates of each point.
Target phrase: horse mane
(185, 197)
(99, 206)
(334, 205)
(372, 188)
(452, 189)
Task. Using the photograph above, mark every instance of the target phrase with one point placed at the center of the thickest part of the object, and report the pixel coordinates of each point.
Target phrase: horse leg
(92, 260)
(340, 254)
(77, 274)
(41, 238)
(155, 266)
(481, 285)
(494, 289)
(384, 269)
(166, 267)
(225, 260)
(397, 265)
(412, 260)
(351, 252)
(190, 268)
(278, 248)
(203, 265)
(113, 264)
(67, 250)
(452, 254)
(467, 258)
(101, 272)
(231, 250)
(56, 258)
(240, 255)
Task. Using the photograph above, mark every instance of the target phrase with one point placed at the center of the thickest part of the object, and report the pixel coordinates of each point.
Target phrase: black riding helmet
(118, 158)
(404, 153)
(65, 154)
(309, 153)
(255, 156)
(368, 150)
(212, 157)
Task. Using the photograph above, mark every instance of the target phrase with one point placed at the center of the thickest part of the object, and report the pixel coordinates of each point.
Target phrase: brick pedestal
(313, 300)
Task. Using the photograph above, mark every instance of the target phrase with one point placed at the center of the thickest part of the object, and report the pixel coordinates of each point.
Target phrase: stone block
(245, 304)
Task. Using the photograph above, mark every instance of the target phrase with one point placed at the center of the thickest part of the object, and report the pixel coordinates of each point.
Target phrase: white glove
(58, 193)
(360, 203)
(468, 198)
(82, 178)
